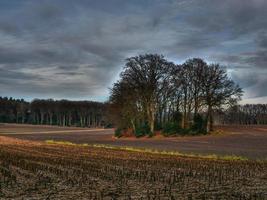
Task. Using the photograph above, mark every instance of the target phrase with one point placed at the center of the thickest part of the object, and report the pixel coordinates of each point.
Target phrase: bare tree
(219, 90)
(160, 91)
(147, 76)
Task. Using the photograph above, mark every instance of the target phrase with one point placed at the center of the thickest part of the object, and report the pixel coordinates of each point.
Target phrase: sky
(75, 49)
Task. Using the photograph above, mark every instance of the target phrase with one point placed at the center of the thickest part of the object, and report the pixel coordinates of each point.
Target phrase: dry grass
(153, 151)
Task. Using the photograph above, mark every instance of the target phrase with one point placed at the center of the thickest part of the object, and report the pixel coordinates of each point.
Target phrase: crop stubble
(35, 170)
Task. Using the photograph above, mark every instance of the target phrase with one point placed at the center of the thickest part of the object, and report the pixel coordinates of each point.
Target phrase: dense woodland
(52, 112)
(156, 94)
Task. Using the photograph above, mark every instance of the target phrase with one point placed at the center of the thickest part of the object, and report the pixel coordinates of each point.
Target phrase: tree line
(156, 94)
(248, 114)
(53, 112)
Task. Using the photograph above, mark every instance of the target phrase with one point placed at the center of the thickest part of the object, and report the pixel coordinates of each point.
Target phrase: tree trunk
(95, 122)
(51, 119)
(81, 121)
(64, 120)
(17, 118)
(152, 123)
(196, 108)
(185, 117)
(89, 121)
(151, 117)
(42, 118)
(133, 125)
(209, 120)
(70, 119)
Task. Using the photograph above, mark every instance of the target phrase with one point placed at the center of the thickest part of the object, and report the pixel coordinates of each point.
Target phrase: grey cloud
(237, 16)
(253, 82)
(77, 48)
(13, 76)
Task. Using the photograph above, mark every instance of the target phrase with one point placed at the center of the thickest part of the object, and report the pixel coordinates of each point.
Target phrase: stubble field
(36, 170)
(31, 168)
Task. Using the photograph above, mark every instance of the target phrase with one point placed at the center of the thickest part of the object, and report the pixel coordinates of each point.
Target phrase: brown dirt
(247, 141)
(35, 170)
(26, 128)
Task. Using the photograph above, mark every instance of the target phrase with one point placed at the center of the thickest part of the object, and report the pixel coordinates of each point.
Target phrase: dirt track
(248, 141)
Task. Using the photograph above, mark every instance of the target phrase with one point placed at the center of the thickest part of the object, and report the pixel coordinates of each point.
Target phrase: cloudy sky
(75, 49)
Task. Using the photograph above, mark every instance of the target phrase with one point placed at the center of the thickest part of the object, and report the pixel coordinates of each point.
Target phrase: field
(245, 141)
(31, 169)
(36, 170)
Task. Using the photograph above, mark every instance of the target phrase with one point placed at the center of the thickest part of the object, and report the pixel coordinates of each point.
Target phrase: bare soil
(247, 141)
(36, 170)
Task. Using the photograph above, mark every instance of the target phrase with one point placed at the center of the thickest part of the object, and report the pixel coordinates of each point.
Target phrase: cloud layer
(76, 49)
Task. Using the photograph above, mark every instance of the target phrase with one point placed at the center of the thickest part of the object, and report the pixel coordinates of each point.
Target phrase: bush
(158, 127)
(108, 126)
(171, 128)
(142, 130)
(199, 126)
(118, 132)
(186, 131)
(177, 117)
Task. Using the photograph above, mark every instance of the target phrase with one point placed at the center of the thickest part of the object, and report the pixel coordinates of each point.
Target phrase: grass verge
(153, 151)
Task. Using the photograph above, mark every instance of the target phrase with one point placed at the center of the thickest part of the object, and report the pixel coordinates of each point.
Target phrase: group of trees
(13, 110)
(155, 92)
(51, 112)
(248, 114)
(151, 94)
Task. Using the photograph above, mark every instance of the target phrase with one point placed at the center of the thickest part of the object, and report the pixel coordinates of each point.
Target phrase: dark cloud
(253, 81)
(76, 49)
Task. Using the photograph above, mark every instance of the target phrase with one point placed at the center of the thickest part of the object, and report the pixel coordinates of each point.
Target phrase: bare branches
(160, 89)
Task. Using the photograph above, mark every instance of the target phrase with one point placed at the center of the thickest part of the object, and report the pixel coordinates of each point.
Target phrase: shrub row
(168, 129)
